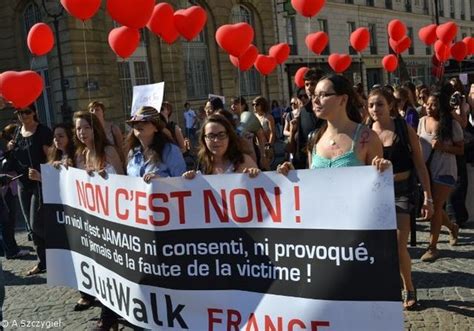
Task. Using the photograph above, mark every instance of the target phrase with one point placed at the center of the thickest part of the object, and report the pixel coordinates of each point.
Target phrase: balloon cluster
(442, 37)
(236, 41)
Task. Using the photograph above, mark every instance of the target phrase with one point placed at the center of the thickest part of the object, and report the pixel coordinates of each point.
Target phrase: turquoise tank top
(348, 159)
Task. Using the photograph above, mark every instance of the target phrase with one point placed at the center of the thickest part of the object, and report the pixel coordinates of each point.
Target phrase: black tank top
(399, 153)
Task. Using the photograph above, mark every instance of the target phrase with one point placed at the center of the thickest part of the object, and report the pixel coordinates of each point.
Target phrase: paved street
(446, 289)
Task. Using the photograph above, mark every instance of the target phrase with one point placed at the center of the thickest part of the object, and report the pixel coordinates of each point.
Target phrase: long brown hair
(160, 139)
(55, 154)
(99, 137)
(233, 153)
(341, 86)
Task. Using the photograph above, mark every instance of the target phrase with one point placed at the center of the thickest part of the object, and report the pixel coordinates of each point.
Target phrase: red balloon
(446, 32)
(396, 29)
(308, 8)
(360, 39)
(459, 51)
(390, 62)
(469, 41)
(265, 64)
(280, 52)
(81, 9)
(234, 38)
(21, 88)
(299, 76)
(427, 34)
(190, 22)
(246, 60)
(442, 51)
(124, 41)
(339, 62)
(40, 39)
(401, 45)
(161, 23)
(317, 42)
(131, 13)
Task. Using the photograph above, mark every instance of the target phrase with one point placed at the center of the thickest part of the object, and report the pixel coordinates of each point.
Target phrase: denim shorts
(445, 180)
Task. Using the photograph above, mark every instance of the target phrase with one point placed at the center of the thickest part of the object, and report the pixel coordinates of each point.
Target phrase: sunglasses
(24, 112)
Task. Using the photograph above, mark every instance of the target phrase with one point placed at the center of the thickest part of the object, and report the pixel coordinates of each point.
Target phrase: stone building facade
(340, 17)
(190, 70)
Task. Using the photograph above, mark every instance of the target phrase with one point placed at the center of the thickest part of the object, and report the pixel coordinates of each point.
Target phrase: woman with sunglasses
(220, 151)
(342, 141)
(29, 148)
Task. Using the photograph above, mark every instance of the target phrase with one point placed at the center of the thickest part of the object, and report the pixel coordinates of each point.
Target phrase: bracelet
(429, 200)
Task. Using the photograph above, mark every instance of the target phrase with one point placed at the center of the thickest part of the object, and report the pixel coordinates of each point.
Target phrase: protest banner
(312, 251)
(150, 95)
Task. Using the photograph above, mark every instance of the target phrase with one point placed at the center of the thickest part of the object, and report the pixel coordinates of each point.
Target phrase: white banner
(312, 251)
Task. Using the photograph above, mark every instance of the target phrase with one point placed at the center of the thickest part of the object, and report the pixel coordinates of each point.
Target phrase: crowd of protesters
(425, 134)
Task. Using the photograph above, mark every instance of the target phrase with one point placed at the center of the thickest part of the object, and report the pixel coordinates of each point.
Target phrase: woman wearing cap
(29, 148)
(151, 153)
(112, 132)
(220, 151)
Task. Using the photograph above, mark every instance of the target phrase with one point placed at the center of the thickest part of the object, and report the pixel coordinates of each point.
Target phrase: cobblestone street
(445, 289)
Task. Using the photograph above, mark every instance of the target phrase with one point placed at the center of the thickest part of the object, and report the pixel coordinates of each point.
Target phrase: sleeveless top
(348, 159)
(399, 152)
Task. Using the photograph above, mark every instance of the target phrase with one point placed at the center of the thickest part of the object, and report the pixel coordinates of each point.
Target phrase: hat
(145, 114)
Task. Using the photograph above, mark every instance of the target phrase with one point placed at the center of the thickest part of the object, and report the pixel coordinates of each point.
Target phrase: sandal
(453, 235)
(410, 296)
(35, 271)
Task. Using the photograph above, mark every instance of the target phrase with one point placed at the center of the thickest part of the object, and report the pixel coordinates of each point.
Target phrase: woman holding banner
(402, 148)
(93, 154)
(342, 141)
(220, 151)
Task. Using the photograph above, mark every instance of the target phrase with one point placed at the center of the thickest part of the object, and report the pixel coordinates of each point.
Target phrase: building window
(44, 104)
(426, 8)
(411, 49)
(351, 26)
(408, 6)
(451, 8)
(388, 4)
(441, 8)
(472, 10)
(131, 73)
(428, 50)
(351, 2)
(369, 3)
(463, 10)
(291, 35)
(31, 16)
(323, 26)
(373, 38)
(250, 79)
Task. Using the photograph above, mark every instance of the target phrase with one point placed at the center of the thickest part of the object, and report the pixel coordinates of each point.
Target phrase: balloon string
(398, 70)
(239, 73)
(87, 61)
(307, 49)
(84, 27)
(32, 62)
(172, 77)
